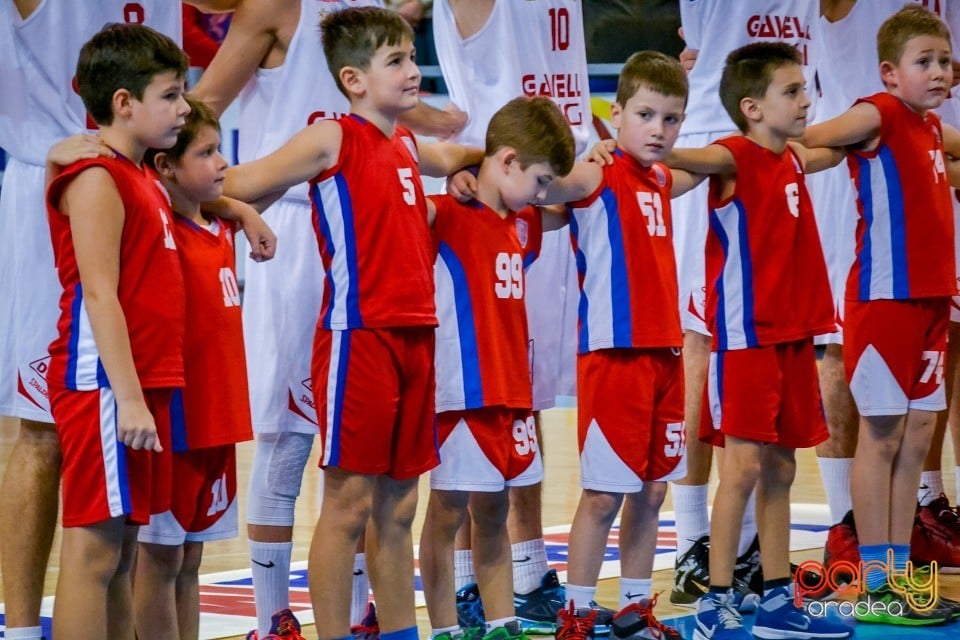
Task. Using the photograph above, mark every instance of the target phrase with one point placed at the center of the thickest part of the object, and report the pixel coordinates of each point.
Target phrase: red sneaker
(637, 622)
(842, 545)
(936, 536)
(575, 624)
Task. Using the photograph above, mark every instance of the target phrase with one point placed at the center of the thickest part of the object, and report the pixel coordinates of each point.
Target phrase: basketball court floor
(227, 595)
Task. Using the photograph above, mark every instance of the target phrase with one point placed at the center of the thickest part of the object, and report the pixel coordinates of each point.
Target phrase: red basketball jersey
(370, 217)
(482, 341)
(214, 407)
(622, 235)
(766, 276)
(905, 226)
(150, 289)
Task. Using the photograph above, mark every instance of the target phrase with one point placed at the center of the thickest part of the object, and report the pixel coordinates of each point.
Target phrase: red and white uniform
(905, 254)
(483, 371)
(38, 107)
(281, 296)
(542, 51)
(767, 296)
(373, 369)
(629, 368)
(98, 481)
(715, 28)
(204, 432)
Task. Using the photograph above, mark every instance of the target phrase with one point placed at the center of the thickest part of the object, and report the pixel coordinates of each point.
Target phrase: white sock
(270, 564)
(634, 590)
(835, 474)
(581, 597)
(361, 589)
(499, 622)
(749, 529)
(463, 568)
(690, 509)
(931, 486)
(23, 633)
(529, 565)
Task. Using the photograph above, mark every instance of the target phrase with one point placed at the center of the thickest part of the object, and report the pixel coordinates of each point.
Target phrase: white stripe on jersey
(109, 445)
(732, 279)
(332, 379)
(881, 232)
(88, 356)
(332, 212)
(593, 240)
(449, 361)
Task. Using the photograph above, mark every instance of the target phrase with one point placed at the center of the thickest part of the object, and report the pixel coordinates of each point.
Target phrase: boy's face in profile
(520, 188)
(783, 108)
(924, 74)
(201, 170)
(392, 81)
(648, 124)
(159, 115)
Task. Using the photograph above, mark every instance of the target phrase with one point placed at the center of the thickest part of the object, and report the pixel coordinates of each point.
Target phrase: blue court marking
(46, 623)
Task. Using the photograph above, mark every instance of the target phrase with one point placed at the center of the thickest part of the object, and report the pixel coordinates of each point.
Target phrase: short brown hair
(654, 70)
(200, 116)
(908, 23)
(536, 128)
(748, 73)
(351, 37)
(123, 56)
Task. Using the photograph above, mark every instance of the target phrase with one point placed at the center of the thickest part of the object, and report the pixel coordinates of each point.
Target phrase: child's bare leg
(878, 441)
(638, 530)
(491, 553)
(89, 558)
(588, 536)
(446, 512)
(739, 472)
(345, 509)
(188, 591)
(390, 551)
(120, 618)
(778, 468)
(907, 465)
(154, 598)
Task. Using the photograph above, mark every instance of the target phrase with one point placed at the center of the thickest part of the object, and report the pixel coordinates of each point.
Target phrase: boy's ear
(888, 73)
(750, 108)
(353, 80)
(121, 103)
(164, 166)
(616, 113)
(508, 157)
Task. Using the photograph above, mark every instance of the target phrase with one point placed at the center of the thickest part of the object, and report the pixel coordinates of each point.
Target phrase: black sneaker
(748, 569)
(539, 608)
(470, 608)
(691, 575)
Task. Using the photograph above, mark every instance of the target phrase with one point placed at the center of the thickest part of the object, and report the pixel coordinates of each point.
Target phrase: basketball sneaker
(537, 611)
(718, 618)
(510, 631)
(842, 546)
(283, 624)
(369, 627)
(936, 536)
(575, 624)
(779, 617)
(470, 607)
(691, 579)
(637, 622)
(603, 619)
(895, 610)
(748, 569)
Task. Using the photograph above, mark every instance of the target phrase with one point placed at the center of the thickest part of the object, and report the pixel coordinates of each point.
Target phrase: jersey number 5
(406, 181)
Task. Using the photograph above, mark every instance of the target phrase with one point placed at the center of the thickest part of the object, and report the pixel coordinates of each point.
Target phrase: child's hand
(262, 239)
(78, 147)
(463, 186)
(136, 427)
(602, 152)
(457, 121)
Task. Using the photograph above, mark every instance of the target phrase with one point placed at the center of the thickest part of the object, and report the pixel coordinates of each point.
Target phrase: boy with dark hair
(118, 357)
(767, 296)
(898, 291)
(484, 402)
(372, 371)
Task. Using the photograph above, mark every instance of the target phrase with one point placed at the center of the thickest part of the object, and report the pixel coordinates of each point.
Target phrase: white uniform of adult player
(491, 52)
(39, 45)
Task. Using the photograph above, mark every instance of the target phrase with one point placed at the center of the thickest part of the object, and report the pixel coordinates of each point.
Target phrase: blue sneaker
(537, 611)
(779, 617)
(470, 608)
(718, 618)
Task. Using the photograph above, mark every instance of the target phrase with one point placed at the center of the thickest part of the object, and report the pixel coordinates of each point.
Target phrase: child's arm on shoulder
(582, 180)
(554, 217)
(430, 121)
(951, 141)
(96, 213)
(312, 151)
(684, 181)
(81, 146)
(818, 158)
(262, 239)
(440, 159)
(712, 159)
(858, 126)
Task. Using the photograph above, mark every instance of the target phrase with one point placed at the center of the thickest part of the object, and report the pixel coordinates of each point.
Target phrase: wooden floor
(561, 493)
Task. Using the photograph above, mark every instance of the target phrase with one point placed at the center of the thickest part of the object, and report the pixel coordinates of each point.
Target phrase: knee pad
(275, 477)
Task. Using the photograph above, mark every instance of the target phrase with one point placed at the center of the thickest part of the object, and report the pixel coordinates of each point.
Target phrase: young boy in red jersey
(488, 439)
(373, 371)
(899, 288)
(767, 296)
(118, 357)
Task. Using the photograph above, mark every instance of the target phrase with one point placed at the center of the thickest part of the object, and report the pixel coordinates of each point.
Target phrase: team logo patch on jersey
(661, 175)
(523, 232)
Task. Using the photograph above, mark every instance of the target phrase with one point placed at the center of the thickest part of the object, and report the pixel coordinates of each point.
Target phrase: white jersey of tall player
(282, 296)
(715, 28)
(535, 47)
(39, 107)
